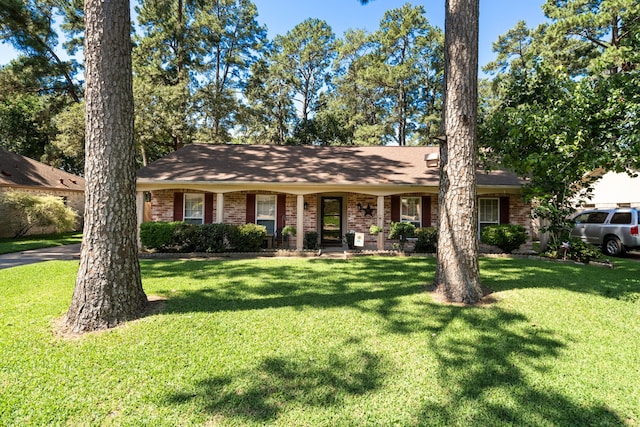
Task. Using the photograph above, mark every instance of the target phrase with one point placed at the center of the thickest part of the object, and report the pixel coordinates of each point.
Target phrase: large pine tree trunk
(457, 271)
(108, 287)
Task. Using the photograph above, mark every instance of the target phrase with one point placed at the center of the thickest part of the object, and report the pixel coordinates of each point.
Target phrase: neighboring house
(615, 190)
(21, 173)
(329, 190)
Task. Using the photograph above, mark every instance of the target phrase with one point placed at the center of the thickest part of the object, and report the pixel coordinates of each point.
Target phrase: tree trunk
(108, 287)
(457, 271)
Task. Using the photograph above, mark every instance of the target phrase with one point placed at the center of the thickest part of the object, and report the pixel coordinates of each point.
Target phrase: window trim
(192, 219)
(418, 221)
(487, 223)
(258, 217)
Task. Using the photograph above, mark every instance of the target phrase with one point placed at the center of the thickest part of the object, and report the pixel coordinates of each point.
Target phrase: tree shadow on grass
(277, 384)
(488, 375)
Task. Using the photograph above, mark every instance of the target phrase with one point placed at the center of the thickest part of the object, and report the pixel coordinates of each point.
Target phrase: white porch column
(300, 223)
(139, 213)
(219, 208)
(380, 217)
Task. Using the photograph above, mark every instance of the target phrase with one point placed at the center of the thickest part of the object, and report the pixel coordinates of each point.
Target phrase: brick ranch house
(20, 173)
(329, 190)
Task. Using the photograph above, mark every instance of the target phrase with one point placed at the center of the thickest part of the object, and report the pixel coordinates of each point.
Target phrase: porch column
(139, 213)
(219, 208)
(380, 215)
(300, 223)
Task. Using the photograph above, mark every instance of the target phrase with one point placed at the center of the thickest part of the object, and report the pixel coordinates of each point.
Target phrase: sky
(280, 16)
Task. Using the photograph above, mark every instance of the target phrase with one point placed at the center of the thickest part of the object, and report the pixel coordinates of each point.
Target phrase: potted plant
(375, 229)
(288, 230)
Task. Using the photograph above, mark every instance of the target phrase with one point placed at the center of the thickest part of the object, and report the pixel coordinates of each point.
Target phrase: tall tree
(108, 287)
(271, 113)
(457, 271)
(28, 26)
(305, 53)
(409, 68)
(231, 41)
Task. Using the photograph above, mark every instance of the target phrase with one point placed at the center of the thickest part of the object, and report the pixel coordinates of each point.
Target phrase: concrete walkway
(66, 252)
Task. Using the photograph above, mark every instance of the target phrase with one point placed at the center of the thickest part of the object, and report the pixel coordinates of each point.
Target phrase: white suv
(615, 230)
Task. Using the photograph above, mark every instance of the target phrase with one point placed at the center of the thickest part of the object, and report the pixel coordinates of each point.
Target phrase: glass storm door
(331, 220)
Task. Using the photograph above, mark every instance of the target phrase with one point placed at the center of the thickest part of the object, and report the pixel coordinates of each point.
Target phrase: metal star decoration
(368, 211)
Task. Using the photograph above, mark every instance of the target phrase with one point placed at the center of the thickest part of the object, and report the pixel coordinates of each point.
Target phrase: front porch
(330, 214)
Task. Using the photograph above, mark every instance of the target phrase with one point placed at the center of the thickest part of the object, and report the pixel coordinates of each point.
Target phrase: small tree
(26, 211)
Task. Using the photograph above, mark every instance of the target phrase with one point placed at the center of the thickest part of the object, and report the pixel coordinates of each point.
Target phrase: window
(621, 218)
(193, 208)
(488, 213)
(410, 211)
(266, 212)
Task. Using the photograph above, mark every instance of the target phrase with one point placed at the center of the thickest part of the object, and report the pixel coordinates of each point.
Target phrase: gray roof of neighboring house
(306, 164)
(21, 171)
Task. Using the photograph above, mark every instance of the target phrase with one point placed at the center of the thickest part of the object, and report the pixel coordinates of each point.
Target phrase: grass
(37, 242)
(321, 342)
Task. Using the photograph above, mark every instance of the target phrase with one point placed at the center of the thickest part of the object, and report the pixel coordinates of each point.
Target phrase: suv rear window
(621, 218)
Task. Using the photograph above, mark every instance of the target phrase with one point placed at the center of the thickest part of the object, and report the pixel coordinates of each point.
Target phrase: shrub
(157, 235)
(311, 240)
(246, 237)
(427, 239)
(507, 237)
(24, 211)
(212, 238)
(401, 231)
(577, 251)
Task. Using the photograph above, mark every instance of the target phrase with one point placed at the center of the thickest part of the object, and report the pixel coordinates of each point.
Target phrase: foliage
(246, 237)
(401, 231)
(427, 240)
(568, 103)
(288, 230)
(507, 237)
(311, 240)
(576, 250)
(375, 229)
(157, 235)
(212, 238)
(24, 211)
(280, 340)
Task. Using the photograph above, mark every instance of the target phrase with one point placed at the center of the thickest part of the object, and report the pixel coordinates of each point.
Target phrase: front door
(331, 233)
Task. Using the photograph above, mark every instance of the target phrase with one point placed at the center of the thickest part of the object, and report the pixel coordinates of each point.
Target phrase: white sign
(359, 240)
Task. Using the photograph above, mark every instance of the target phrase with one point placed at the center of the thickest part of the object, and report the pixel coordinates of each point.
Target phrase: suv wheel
(612, 246)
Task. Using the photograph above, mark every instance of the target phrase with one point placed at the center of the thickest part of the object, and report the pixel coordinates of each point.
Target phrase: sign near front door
(359, 240)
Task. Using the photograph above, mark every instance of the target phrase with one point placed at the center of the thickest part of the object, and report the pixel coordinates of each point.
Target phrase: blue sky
(280, 16)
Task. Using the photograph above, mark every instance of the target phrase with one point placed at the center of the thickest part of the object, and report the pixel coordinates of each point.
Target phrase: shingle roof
(305, 165)
(21, 171)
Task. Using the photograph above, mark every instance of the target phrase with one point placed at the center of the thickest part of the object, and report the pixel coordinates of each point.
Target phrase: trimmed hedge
(507, 237)
(211, 238)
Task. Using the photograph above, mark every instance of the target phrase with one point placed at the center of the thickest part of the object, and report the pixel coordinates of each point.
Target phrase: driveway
(66, 252)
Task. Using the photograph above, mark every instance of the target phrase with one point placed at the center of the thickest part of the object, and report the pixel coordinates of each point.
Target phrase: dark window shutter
(208, 208)
(178, 206)
(251, 208)
(281, 210)
(426, 211)
(504, 210)
(395, 208)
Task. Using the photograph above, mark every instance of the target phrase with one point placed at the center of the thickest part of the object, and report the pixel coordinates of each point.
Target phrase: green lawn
(320, 342)
(37, 242)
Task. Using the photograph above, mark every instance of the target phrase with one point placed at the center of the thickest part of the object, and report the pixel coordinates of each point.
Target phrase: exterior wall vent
(432, 159)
